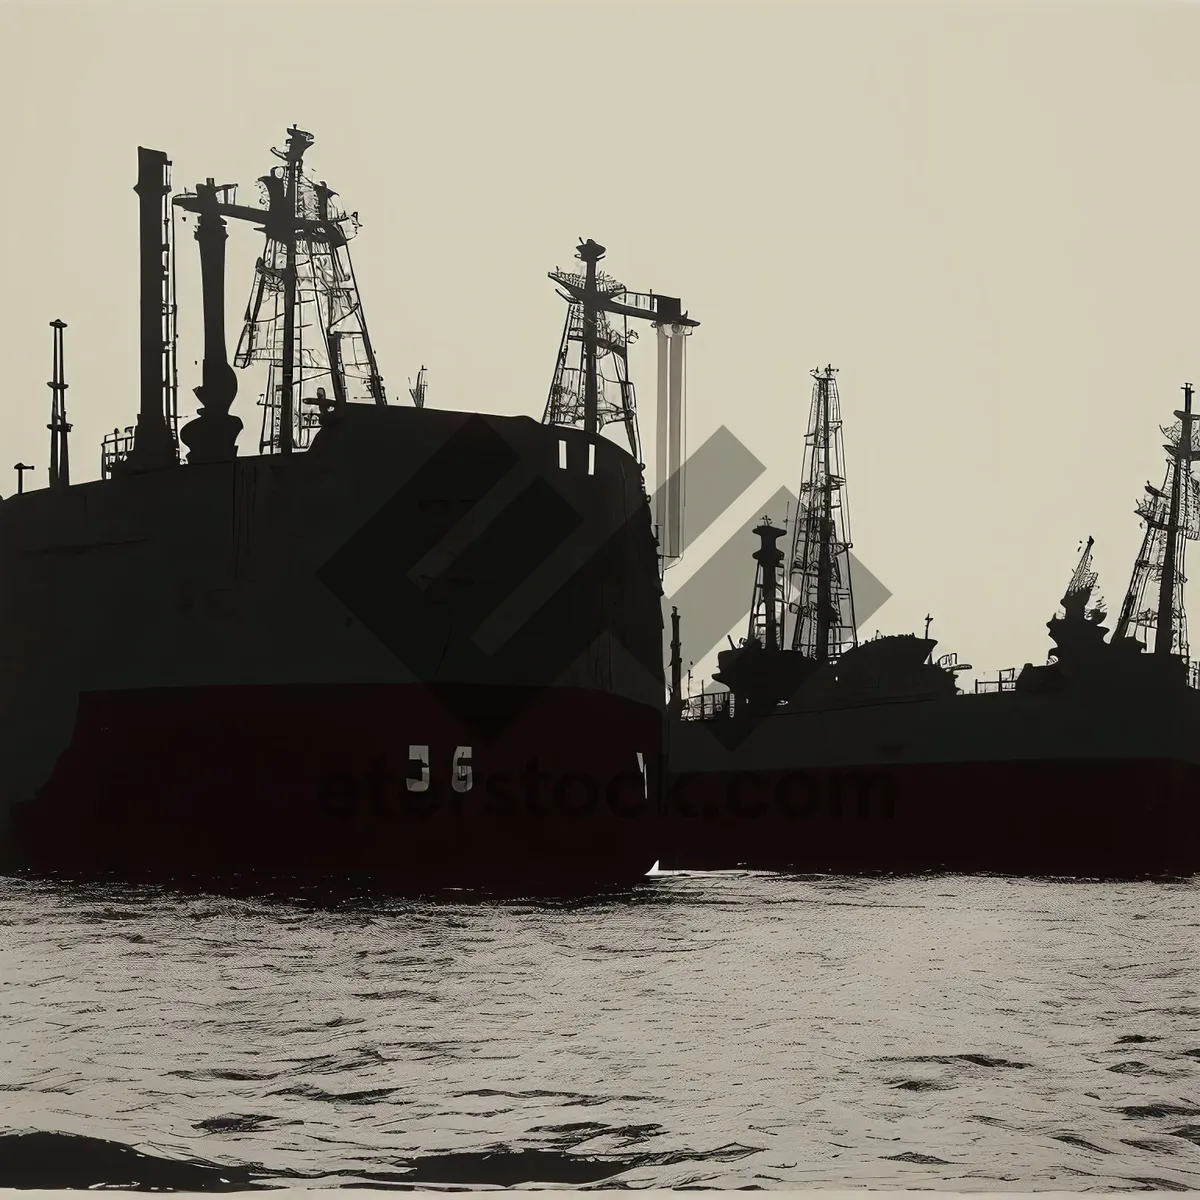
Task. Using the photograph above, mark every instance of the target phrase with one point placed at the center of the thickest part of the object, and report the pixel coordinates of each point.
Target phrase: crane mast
(823, 597)
(304, 319)
(591, 387)
(1079, 590)
(1170, 514)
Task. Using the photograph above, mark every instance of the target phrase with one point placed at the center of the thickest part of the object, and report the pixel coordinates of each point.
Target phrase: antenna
(60, 463)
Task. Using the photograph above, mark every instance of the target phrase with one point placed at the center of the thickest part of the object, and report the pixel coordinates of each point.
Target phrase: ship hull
(234, 668)
(1014, 784)
(387, 784)
(1110, 818)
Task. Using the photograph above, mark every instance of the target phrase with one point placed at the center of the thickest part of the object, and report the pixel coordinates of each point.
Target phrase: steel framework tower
(60, 462)
(1172, 519)
(822, 594)
(1083, 582)
(591, 387)
(589, 344)
(770, 598)
(304, 318)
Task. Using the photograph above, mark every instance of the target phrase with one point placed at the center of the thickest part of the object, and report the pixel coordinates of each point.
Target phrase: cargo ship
(398, 644)
(823, 753)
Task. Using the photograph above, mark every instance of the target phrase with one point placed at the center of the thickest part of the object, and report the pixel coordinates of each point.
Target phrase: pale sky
(984, 215)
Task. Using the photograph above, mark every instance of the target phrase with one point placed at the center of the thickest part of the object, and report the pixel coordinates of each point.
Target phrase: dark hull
(311, 783)
(1006, 784)
(221, 670)
(1120, 818)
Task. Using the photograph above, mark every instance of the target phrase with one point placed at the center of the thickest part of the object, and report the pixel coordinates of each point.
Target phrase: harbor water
(728, 1031)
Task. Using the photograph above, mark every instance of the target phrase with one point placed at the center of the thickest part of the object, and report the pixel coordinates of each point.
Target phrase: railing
(116, 446)
(1006, 682)
(113, 449)
(708, 706)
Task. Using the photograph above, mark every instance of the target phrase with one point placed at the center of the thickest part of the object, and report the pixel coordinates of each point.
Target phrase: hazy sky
(984, 215)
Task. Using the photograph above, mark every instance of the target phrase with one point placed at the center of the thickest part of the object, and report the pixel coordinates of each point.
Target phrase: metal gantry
(305, 318)
(769, 603)
(592, 387)
(60, 461)
(1172, 518)
(822, 596)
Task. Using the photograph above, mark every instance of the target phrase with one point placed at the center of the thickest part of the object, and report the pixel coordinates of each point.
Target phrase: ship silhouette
(824, 753)
(398, 644)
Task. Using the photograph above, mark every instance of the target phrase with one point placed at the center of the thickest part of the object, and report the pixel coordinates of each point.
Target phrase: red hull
(1131, 817)
(311, 781)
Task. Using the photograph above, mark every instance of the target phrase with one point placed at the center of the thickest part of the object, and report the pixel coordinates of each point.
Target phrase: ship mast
(825, 626)
(297, 143)
(767, 608)
(1079, 590)
(582, 397)
(304, 281)
(1182, 455)
(1169, 514)
(60, 463)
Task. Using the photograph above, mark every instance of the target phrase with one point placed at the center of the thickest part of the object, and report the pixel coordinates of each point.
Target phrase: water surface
(730, 1030)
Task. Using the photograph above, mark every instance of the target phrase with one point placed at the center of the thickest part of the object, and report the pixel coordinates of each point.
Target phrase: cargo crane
(1083, 581)
(819, 566)
(1172, 518)
(582, 396)
(304, 318)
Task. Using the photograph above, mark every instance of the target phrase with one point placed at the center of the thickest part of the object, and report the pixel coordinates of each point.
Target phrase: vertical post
(298, 142)
(286, 397)
(153, 447)
(676, 707)
(662, 433)
(60, 464)
(674, 451)
(590, 253)
(824, 561)
(20, 469)
(212, 436)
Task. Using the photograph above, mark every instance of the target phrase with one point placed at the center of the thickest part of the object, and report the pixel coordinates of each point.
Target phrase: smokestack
(153, 445)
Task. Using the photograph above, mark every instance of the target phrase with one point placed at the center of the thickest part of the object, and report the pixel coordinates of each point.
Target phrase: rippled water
(723, 1030)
